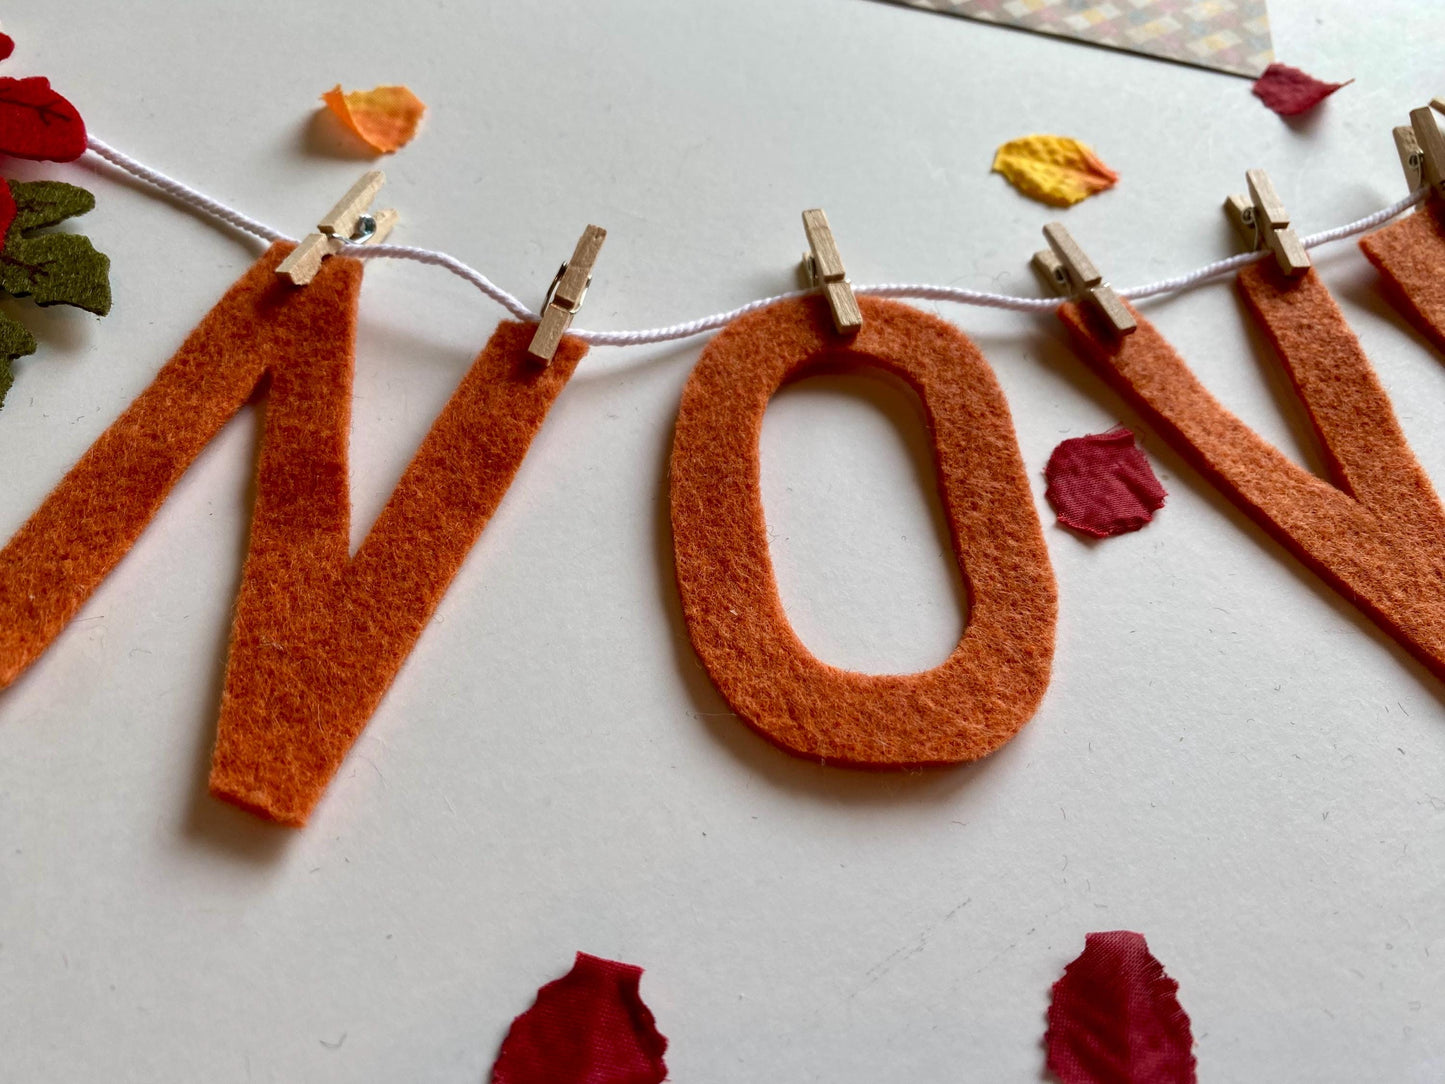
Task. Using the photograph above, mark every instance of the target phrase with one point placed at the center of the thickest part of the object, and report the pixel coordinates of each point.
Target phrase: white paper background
(1229, 759)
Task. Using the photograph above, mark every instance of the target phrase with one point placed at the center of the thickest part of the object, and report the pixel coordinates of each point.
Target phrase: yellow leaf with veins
(1053, 169)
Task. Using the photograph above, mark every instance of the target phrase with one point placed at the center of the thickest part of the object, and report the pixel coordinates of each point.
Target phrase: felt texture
(588, 1027)
(317, 636)
(47, 203)
(15, 342)
(37, 123)
(1101, 484)
(1290, 92)
(993, 681)
(1115, 1017)
(53, 268)
(1377, 534)
(7, 211)
(1410, 255)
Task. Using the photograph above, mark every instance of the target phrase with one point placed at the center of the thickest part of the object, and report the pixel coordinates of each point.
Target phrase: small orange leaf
(1053, 169)
(385, 118)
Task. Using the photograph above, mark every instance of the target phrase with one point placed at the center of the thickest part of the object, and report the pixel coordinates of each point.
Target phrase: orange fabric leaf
(1053, 169)
(385, 118)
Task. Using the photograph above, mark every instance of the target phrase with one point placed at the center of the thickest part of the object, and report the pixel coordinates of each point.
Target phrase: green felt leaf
(15, 342)
(45, 203)
(56, 269)
(50, 268)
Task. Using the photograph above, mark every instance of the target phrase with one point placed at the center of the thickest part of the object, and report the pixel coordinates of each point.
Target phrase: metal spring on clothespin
(1421, 147)
(350, 222)
(565, 295)
(1263, 222)
(1070, 273)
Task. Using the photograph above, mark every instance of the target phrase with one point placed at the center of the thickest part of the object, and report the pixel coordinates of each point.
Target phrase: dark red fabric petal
(1289, 91)
(36, 122)
(1115, 1017)
(588, 1027)
(7, 211)
(1102, 485)
(7, 46)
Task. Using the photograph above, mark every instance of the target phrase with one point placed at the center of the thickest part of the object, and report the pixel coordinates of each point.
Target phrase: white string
(1369, 222)
(1314, 240)
(185, 193)
(452, 264)
(920, 292)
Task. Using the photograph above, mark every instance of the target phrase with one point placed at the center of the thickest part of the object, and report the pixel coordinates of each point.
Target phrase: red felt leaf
(588, 1027)
(7, 211)
(1115, 1017)
(1102, 485)
(1289, 91)
(7, 46)
(36, 122)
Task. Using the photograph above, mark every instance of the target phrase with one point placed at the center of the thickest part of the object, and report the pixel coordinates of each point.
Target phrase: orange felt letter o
(994, 679)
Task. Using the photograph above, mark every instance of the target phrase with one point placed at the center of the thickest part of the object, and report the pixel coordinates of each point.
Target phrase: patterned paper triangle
(1226, 35)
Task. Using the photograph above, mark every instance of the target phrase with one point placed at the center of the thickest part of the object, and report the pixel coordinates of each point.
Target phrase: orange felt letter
(1410, 253)
(1377, 534)
(318, 635)
(994, 679)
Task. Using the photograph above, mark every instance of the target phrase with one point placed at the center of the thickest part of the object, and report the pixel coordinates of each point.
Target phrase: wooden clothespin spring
(1263, 222)
(350, 222)
(1069, 273)
(564, 297)
(1422, 149)
(823, 267)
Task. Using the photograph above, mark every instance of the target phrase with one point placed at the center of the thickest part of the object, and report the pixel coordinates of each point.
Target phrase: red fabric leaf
(1102, 485)
(7, 211)
(7, 46)
(588, 1027)
(36, 122)
(1115, 1018)
(1289, 91)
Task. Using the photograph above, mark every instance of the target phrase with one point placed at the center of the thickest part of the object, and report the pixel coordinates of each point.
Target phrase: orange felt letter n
(318, 635)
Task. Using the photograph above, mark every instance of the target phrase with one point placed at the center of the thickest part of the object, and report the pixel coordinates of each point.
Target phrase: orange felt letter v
(1377, 534)
(318, 635)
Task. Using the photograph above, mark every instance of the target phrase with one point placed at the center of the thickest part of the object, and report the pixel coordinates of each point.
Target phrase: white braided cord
(208, 205)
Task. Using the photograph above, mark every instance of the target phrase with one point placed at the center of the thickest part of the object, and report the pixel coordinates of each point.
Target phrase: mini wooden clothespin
(350, 222)
(823, 267)
(1422, 149)
(564, 297)
(1070, 273)
(1263, 222)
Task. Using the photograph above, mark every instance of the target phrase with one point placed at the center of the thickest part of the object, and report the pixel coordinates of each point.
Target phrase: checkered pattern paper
(1227, 35)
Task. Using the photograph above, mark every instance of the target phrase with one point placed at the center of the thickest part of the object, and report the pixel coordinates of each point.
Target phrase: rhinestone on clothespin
(822, 268)
(1263, 222)
(1421, 147)
(1069, 273)
(350, 222)
(564, 296)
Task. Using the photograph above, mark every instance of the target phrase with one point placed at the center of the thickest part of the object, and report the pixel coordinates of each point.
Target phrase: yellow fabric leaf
(1053, 169)
(385, 118)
